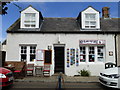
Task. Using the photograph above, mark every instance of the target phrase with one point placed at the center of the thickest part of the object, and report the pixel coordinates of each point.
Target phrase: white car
(110, 77)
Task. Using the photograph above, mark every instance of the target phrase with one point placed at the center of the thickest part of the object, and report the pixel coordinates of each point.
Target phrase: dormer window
(30, 20)
(90, 20)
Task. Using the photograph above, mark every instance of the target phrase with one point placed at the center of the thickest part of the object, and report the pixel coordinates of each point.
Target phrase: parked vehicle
(110, 77)
(6, 77)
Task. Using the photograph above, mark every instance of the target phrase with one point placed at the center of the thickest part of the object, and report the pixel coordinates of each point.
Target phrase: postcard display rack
(72, 57)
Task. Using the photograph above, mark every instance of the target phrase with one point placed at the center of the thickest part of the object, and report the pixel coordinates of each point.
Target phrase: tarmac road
(52, 86)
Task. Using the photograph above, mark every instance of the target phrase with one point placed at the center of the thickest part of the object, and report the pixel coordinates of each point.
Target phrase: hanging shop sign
(92, 42)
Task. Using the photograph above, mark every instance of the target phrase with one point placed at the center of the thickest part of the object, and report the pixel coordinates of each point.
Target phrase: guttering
(116, 49)
(66, 32)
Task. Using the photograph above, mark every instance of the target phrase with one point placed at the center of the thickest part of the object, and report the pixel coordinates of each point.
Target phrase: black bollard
(60, 81)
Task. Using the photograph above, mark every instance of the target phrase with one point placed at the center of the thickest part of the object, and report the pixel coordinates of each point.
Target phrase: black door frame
(62, 46)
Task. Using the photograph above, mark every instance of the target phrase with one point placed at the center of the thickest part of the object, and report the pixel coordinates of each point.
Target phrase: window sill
(90, 29)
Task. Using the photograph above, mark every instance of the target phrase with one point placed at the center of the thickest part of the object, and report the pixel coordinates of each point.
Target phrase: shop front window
(91, 54)
(100, 54)
(82, 54)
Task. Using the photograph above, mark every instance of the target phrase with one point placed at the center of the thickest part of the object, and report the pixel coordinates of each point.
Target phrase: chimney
(105, 12)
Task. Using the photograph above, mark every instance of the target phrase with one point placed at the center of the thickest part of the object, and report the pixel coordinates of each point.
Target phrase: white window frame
(28, 52)
(89, 20)
(82, 53)
(91, 52)
(102, 51)
(31, 22)
(95, 53)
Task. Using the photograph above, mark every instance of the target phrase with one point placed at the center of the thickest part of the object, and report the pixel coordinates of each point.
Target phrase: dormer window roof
(89, 19)
(30, 18)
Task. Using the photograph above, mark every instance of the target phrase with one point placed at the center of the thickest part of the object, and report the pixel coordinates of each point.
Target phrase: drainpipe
(115, 48)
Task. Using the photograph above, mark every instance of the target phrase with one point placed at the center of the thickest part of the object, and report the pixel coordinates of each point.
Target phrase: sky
(53, 9)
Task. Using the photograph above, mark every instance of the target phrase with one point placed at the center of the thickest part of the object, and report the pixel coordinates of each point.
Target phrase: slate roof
(110, 24)
(66, 25)
(60, 24)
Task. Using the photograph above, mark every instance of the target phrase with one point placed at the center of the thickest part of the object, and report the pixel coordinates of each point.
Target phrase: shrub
(84, 72)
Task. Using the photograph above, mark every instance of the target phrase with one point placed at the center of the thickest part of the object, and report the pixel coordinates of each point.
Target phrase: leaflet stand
(39, 63)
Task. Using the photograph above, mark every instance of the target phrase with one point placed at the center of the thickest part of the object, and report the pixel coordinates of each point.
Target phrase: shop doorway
(59, 59)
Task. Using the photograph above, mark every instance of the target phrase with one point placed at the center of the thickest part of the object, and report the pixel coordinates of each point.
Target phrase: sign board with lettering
(92, 42)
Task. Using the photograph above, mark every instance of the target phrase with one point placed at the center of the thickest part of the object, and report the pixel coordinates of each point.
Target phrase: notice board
(40, 54)
(48, 57)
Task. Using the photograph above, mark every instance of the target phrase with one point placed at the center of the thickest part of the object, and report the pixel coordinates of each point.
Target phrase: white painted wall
(29, 10)
(70, 41)
(92, 11)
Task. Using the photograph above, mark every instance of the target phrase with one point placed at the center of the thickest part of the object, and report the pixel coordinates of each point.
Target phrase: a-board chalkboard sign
(48, 57)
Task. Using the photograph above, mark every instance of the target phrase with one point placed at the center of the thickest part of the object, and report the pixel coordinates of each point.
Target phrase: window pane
(92, 23)
(25, 51)
(27, 25)
(25, 47)
(34, 51)
(21, 51)
(86, 22)
(31, 51)
(86, 16)
(93, 26)
(32, 25)
(23, 57)
(30, 47)
(92, 17)
(22, 47)
(86, 26)
(32, 57)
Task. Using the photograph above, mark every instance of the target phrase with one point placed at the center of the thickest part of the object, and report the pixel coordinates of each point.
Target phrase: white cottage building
(68, 45)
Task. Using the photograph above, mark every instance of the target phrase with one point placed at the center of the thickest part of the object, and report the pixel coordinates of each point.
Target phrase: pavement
(54, 78)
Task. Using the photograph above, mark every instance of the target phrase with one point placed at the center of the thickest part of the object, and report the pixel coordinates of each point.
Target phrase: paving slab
(67, 79)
